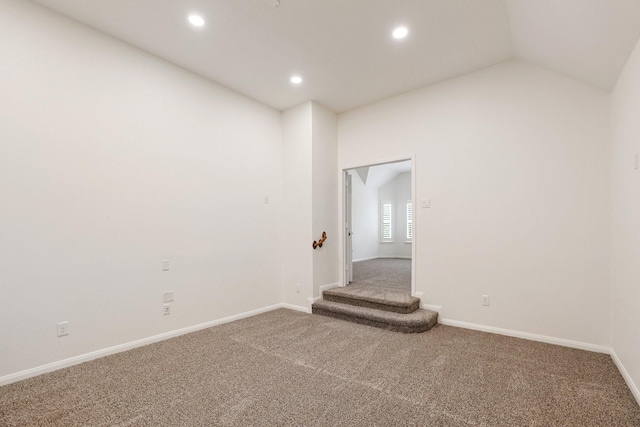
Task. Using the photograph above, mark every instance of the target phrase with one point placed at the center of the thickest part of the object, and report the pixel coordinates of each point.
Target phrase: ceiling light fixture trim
(196, 20)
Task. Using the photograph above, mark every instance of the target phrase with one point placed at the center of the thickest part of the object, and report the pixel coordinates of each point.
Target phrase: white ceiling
(379, 175)
(343, 48)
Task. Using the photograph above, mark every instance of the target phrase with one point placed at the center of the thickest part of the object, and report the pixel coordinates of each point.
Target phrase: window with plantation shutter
(409, 220)
(386, 232)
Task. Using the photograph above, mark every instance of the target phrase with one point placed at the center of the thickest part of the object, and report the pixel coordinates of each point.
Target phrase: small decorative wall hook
(319, 243)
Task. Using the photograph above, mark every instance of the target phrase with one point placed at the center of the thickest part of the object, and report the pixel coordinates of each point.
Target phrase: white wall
(326, 261)
(625, 219)
(310, 157)
(383, 183)
(112, 160)
(296, 225)
(515, 161)
(364, 212)
(398, 191)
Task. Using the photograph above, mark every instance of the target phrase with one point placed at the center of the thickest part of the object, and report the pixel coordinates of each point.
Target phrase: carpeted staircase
(385, 308)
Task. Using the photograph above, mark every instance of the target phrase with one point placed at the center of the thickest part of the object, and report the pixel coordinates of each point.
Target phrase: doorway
(379, 225)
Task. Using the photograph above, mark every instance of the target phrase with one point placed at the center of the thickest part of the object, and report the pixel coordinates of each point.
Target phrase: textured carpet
(388, 272)
(386, 307)
(408, 323)
(380, 297)
(285, 368)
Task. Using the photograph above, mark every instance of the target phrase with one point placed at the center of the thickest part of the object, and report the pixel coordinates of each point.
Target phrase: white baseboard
(381, 257)
(557, 341)
(627, 378)
(329, 286)
(22, 375)
(365, 259)
(54, 366)
(528, 336)
(295, 307)
(432, 307)
(322, 289)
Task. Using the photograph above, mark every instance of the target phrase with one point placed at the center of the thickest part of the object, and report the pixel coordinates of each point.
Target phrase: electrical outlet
(485, 300)
(167, 296)
(63, 329)
(298, 288)
(166, 309)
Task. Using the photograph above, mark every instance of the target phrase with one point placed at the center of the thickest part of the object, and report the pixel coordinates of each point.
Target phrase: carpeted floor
(285, 368)
(388, 272)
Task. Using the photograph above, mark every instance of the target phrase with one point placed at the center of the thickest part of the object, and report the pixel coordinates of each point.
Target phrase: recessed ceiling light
(400, 32)
(196, 20)
(296, 80)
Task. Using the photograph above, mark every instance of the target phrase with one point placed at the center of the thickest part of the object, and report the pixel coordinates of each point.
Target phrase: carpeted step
(378, 297)
(417, 321)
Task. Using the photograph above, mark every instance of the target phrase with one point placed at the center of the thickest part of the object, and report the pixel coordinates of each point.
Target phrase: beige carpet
(285, 368)
(388, 272)
(389, 298)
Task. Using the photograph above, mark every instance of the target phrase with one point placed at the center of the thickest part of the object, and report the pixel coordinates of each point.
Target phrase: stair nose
(417, 321)
(377, 297)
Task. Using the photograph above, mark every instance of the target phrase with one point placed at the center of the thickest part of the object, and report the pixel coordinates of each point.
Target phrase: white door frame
(342, 229)
(348, 228)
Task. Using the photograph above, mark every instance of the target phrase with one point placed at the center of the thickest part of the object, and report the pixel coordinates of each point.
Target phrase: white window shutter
(385, 221)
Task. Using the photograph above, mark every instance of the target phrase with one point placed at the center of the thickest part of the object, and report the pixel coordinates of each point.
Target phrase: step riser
(369, 322)
(418, 321)
(378, 306)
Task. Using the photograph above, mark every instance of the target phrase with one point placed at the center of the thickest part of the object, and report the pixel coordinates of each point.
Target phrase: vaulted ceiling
(344, 51)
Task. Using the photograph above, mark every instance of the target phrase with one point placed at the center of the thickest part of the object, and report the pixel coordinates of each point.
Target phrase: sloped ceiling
(588, 40)
(379, 175)
(344, 51)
